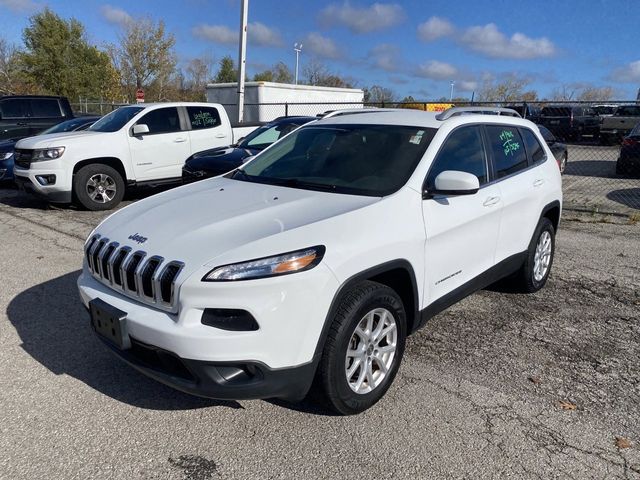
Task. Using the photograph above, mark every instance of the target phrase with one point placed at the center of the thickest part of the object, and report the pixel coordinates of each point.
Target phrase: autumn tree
(508, 89)
(59, 60)
(9, 69)
(145, 57)
(317, 73)
(596, 94)
(379, 95)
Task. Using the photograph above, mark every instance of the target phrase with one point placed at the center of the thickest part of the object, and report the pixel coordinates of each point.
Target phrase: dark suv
(25, 116)
(530, 112)
(571, 122)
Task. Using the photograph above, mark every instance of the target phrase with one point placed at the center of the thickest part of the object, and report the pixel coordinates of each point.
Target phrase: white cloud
(363, 19)
(435, 28)
(115, 15)
(321, 46)
(437, 70)
(630, 73)
(385, 57)
(257, 34)
(19, 6)
(466, 86)
(489, 41)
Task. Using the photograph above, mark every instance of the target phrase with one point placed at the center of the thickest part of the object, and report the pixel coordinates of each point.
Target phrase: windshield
(115, 120)
(68, 126)
(604, 109)
(264, 136)
(372, 160)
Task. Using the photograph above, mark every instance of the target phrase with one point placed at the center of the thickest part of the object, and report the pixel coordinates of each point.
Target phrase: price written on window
(508, 143)
(203, 119)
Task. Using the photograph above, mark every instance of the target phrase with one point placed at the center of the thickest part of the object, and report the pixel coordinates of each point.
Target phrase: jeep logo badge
(136, 237)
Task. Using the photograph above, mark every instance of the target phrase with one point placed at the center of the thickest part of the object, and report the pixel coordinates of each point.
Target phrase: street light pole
(298, 48)
(242, 57)
(451, 93)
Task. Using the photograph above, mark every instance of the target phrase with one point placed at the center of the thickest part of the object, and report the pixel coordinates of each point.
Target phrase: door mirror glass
(140, 129)
(453, 182)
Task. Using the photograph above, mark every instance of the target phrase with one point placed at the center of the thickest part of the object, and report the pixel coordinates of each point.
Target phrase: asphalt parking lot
(500, 386)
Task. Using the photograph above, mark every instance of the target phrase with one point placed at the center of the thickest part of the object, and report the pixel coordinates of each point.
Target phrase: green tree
(145, 57)
(59, 60)
(227, 72)
(279, 73)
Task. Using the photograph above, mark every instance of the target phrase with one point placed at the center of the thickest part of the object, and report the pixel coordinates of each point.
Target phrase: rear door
(461, 231)
(45, 112)
(521, 183)
(14, 118)
(160, 153)
(207, 130)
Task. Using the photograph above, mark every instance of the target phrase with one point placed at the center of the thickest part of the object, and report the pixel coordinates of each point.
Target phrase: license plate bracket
(110, 323)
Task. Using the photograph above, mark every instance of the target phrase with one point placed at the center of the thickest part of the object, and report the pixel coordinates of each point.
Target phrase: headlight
(5, 155)
(47, 154)
(283, 264)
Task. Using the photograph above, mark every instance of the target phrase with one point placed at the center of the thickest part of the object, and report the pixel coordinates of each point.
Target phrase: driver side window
(462, 151)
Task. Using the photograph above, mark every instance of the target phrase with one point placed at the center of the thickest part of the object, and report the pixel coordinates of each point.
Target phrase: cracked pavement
(478, 394)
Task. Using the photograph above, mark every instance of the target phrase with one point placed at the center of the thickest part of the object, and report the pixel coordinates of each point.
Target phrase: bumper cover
(219, 380)
(27, 185)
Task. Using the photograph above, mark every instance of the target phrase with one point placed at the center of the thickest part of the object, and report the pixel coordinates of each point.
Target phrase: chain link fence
(591, 142)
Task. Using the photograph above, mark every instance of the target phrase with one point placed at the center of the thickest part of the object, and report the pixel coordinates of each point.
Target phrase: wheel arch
(112, 162)
(552, 212)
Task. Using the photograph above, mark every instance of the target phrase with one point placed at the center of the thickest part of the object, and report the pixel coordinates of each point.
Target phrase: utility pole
(298, 48)
(451, 93)
(242, 58)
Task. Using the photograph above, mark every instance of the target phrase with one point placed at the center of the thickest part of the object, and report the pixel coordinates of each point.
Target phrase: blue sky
(414, 47)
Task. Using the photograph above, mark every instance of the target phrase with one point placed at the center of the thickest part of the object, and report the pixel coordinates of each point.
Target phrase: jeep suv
(316, 259)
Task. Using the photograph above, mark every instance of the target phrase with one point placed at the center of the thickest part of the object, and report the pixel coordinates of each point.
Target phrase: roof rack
(456, 111)
(346, 111)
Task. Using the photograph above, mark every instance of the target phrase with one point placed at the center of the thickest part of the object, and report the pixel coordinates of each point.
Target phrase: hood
(7, 145)
(54, 139)
(201, 221)
(211, 159)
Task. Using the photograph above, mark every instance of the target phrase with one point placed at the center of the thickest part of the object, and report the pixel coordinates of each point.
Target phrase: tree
(564, 93)
(227, 72)
(58, 59)
(317, 73)
(145, 56)
(279, 73)
(9, 69)
(379, 94)
(596, 94)
(509, 89)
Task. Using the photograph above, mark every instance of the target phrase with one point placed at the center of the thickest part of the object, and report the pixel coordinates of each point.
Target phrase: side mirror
(140, 129)
(453, 183)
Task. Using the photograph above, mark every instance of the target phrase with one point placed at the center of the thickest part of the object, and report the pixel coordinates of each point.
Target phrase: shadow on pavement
(629, 197)
(54, 328)
(591, 168)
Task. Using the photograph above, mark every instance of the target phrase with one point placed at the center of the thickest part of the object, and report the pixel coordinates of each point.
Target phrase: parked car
(27, 115)
(571, 122)
(559, 149)
(143, 144)
(316, 259)
(629, 161)
(530, 112)
(7, 146)
(614, 128)
(217, 161)
(604, 110)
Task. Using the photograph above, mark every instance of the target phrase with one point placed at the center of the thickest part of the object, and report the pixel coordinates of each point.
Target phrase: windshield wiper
(297, 183)
(240, 174)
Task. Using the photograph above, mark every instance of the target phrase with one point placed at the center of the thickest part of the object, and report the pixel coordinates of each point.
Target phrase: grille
(22, 158)
(148, 279)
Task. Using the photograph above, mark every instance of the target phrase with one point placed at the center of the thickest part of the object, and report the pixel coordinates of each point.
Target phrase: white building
(265, 101)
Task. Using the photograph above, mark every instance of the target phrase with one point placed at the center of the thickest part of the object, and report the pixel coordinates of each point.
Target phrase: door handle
(539, 182)
(491, 201)
(220, 135)
(179, 140)
(22, 124)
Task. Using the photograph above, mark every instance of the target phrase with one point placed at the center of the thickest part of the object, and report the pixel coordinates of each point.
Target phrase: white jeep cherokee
(316, 259)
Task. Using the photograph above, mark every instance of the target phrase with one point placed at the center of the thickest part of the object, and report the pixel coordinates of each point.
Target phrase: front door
(461, 231)
(160, 153)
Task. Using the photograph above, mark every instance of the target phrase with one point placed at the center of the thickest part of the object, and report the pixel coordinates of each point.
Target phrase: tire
(533, 276)
(89, 179)
(381, 304)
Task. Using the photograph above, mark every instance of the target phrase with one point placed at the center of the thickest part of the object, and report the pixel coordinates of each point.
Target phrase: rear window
(628, 111)
(533, 146)
(45, 108)
(203, 117)
(556, 112)
(509, 155)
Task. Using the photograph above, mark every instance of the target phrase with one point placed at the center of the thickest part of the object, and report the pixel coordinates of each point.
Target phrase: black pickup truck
(571, 122)
(27, 115)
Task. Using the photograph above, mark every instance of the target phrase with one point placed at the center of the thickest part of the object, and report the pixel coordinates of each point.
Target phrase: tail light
(629, 141)
(571, 120)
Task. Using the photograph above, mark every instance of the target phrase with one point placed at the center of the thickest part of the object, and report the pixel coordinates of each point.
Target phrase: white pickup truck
(133, 145)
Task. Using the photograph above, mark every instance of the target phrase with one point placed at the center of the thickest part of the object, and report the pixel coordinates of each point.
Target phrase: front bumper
(60, 192)
(276, 360)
